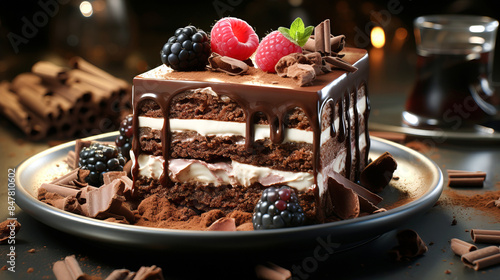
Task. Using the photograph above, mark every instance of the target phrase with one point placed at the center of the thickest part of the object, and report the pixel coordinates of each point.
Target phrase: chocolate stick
(80, 63)
(466, 182)
(482, 258)
(461, 247)
(319, 39)
(49, 70)
(327, 49)
(81, 76)
(485, 236)
(12, 108)
(466, 174)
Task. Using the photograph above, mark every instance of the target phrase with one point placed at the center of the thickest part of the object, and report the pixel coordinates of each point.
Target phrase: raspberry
(187, 50)
(99, 159)
(278, 208)
(280, 43)
(233, 37)
(124, 140)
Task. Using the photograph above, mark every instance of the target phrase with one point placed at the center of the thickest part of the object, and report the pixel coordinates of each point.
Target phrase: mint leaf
(298, 33)
(305, 35)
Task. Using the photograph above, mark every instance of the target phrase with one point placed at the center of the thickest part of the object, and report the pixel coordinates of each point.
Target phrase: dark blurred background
(125, 37)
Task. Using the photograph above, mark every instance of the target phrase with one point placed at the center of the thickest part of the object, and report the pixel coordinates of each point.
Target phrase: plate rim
(31, 205)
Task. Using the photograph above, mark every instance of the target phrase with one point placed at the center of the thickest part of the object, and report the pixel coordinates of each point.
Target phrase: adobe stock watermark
(310, 264)
(31, 26)
(224, 6)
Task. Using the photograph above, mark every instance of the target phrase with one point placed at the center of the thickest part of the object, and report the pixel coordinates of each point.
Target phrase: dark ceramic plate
(417, 190)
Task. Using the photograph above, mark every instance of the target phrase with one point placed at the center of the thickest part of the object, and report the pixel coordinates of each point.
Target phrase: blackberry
(124, 140)
(187, 50)
(99, 159)
(278, 208)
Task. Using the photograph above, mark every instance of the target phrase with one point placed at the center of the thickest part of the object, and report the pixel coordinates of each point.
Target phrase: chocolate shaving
(410, 245)
(109, 177)
(6, 228)
(69, 269)
(223, 224)
(482, 258)
(60, 190)
(227, 64)
(376, 175)
(460, 247)
(107, 200)
(337, 62)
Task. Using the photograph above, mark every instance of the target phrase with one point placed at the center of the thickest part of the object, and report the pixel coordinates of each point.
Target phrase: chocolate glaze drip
(275, 102)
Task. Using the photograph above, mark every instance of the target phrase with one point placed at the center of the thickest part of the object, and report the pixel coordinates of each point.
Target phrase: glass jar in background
(453, 85)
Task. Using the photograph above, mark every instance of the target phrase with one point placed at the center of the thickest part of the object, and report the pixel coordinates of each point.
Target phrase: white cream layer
(220, 128)
(222, 173)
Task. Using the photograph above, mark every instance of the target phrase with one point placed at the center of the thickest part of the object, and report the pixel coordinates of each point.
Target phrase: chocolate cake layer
(287, 156)
(227, 198)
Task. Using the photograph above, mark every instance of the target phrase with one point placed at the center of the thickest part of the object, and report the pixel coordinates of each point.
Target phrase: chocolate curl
(376, 175)
(107, 201)
(67, 178)
(460, 247)
(49, 70)
(322, 38)
(272, 271)
(482, 258)
(120, 274)
(60, 190)
(337, 44)
(149, 273)
(70, 159)
(107, 198)
(223, 224)
(227, 64)
(337, 62)
(485, 236)
(6, 227)
(109, 177)
(80, 63)
(69, 269)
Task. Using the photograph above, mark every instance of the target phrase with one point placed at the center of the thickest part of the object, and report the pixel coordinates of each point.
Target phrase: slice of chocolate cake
(223, 139)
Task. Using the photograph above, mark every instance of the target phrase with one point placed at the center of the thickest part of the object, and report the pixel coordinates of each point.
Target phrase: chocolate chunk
(345, 201)
(227, 64)
(410, 245)
(223, 224)
(378, 173)
(8, 228)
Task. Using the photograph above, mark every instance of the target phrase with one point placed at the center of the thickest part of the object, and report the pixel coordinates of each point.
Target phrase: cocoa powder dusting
(473, 199)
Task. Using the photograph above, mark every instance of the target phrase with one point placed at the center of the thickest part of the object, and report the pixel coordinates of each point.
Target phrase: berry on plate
(280, 43)
(124, 140)
(99, 159)
(278, 208)
(187, 50)
(233, 37)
